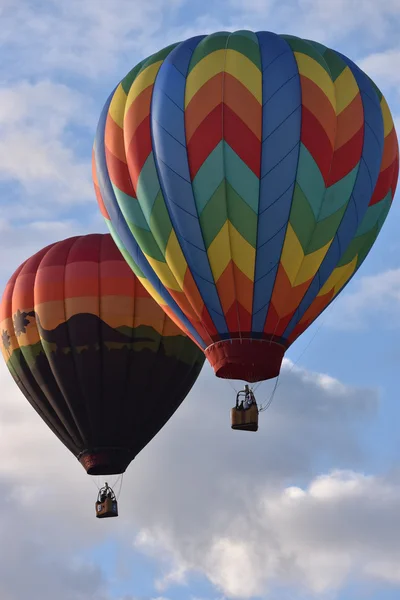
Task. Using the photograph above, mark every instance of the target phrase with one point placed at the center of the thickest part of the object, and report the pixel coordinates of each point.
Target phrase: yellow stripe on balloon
(339, 277)
(312, 69)
(117, 106)
(164, 273)
(292, 254)
(311, 263)
(243, 254)
(232, 62)
(145, 78)
(346, 90)
(239, 66)
(219, 254)
(152, 291)
(387, 117)
(175, 259)
(208, 67)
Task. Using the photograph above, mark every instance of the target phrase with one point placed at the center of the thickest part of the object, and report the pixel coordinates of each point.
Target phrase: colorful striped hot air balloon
(92, 352)
(248, 176)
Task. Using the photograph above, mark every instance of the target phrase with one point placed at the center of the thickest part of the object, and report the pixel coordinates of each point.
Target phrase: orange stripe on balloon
(346, 158)
(192, 293)
(114, 139)
(47, 292)
(207, 99)
(137, 113)
(242, 103)
(286, 297)
(317, 142)
(119, 174)
(390, 150)
(350, 122)
(395, 175)
(244, 290)
(101, 204)
(204, 140)
(139, 150)
(314, 99)
(316, 308)
(226, 289)
(242, 140)
(383, 185)
(120, 269)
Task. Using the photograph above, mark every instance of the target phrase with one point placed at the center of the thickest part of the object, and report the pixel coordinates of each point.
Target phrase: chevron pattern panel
(245, 176)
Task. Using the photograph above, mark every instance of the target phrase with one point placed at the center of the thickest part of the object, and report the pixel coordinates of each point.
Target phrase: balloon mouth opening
(106, 461)
(247, 359)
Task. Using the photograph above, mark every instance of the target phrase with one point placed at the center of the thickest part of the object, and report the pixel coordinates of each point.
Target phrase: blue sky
(308, 507)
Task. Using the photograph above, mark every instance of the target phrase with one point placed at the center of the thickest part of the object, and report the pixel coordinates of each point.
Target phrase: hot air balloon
(93, 353)
(247, 175)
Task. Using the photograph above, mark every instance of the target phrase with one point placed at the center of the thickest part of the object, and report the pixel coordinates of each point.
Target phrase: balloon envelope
(94, 354)
(248, 176)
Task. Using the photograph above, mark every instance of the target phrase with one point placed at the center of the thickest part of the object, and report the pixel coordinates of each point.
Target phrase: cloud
(382, 67)
(372, 297)
(216, 513)
(193, 498)
(86, 38)
(342, 525)
(38, 149)
(327, 22)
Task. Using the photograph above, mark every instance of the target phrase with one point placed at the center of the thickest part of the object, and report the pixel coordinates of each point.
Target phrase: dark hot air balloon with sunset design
(247, 175)
(94, 354)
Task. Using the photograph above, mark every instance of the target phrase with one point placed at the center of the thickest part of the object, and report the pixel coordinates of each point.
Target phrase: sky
(307, 508)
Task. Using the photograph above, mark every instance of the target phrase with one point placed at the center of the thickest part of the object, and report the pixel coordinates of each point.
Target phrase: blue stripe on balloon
(281, 118)
(122, 229)
(364, 186)
(167, 119)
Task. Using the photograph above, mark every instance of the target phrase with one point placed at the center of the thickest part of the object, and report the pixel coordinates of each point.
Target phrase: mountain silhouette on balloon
(98, 385)
(86, 329)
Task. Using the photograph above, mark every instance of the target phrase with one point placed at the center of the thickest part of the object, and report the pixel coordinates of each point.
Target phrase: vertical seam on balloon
(361, 251)
(200, 322)
(160, 185)
(319, 212)
(202, 234)
(70, 345)
(362, 159)
(226, 188)
(291, 204)
(330, 169)
(259, 185)
(173, 220)
(262, 177)
(30, 398)
(130, 359)
(101, 341)
(112, 206)
(67, 404)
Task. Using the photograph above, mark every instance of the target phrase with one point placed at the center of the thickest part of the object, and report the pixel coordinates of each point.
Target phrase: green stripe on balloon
(210, 44)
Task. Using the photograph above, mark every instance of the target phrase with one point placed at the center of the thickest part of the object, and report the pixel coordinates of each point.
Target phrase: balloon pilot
(106, 505)
(244, 416)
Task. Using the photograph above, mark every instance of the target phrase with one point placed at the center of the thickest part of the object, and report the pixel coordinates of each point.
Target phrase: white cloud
(344, 16)
(383, 67)
(200, 497)
(35, 151)
(83, 37)
(327, 22)
(373, 296)
(343, 524)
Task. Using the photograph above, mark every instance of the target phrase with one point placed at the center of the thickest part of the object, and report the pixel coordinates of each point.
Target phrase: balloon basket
(106, 505)
(108, 508)
(245, 419)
